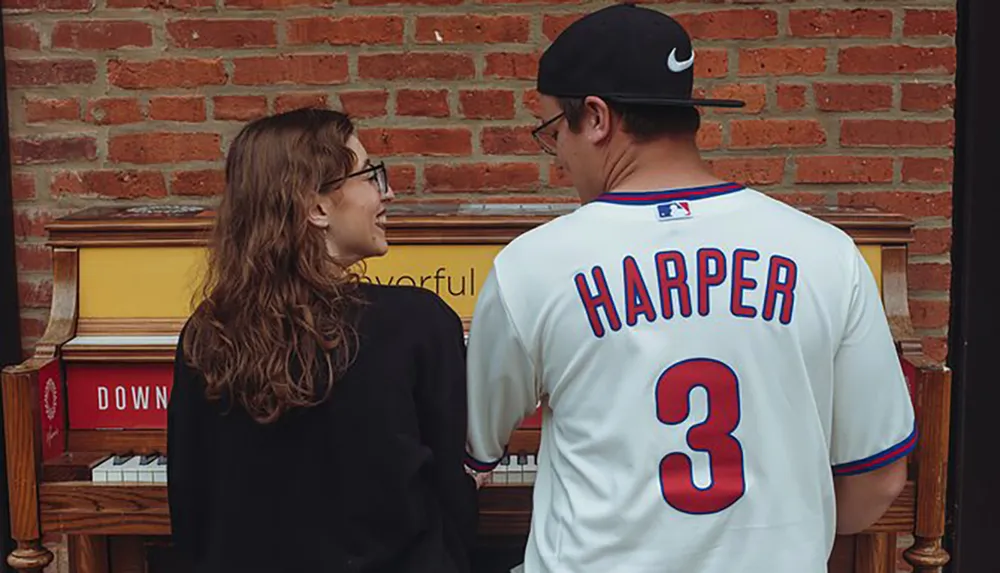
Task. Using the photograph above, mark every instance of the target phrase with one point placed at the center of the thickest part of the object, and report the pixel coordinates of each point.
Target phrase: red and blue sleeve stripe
(479, 466)
(880, 459)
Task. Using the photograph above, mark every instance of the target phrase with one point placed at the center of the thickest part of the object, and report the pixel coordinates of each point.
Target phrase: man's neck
(658, 166)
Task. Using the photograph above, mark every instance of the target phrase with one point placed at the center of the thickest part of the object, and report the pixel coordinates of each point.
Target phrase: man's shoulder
(798, 223)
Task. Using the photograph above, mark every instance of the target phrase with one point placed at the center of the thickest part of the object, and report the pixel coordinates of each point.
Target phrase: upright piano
(85, 415)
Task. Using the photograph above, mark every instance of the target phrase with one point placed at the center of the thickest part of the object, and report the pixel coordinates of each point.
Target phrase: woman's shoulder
(408, 302)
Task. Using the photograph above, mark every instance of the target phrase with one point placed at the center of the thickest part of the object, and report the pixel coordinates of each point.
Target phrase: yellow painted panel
(873, 255)
(158, 282)
(139, 282)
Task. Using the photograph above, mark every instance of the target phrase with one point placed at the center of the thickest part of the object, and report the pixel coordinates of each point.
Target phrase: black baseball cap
(624, 53)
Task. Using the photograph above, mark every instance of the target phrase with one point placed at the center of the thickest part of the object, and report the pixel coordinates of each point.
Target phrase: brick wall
(137, 100)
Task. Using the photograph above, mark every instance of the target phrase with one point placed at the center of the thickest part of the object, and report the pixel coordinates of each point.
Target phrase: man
(722, 389)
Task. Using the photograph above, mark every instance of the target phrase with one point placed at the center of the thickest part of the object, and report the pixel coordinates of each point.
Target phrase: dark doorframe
(10, 323)
(974, 495)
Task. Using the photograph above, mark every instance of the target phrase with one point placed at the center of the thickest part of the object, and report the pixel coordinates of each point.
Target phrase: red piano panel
(118, 396)
(52, 407)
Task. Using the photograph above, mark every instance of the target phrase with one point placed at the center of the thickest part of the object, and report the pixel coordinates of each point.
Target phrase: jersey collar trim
(653, 197)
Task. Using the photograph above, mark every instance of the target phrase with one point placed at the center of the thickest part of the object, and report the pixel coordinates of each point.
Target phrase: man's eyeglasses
(378, 174)
(546, 136)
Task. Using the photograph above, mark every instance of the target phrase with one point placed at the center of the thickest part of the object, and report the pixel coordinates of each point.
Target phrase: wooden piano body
(124, 279)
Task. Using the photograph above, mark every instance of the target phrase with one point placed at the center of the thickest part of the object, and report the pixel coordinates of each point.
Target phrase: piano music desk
(124, 282)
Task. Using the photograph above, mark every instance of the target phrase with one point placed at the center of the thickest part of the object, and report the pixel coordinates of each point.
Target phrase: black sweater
(369, 481)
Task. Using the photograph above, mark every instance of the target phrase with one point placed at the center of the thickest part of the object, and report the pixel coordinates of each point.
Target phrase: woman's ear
(321, 210)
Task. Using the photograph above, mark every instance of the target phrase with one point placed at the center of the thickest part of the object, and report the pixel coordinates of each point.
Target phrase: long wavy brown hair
(272, 331)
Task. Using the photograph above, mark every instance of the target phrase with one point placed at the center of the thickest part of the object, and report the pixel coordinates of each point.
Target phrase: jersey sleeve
(503, 385)
(873, 417)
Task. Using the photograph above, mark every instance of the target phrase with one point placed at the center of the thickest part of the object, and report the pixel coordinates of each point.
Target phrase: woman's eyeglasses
(379, 175)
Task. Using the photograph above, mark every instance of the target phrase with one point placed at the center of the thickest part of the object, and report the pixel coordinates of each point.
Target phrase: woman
(316, 423)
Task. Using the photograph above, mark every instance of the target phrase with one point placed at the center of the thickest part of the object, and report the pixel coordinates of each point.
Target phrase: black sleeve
(441, 400)
(186, 455)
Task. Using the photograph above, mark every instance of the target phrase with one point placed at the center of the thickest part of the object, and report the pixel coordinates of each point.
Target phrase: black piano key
(147, 459)
(122, 458)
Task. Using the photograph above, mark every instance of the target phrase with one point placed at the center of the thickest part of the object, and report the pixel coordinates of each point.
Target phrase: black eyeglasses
(379, 175)
(546, 139)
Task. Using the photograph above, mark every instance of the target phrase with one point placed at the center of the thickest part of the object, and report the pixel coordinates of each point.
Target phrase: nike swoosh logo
(676, 66)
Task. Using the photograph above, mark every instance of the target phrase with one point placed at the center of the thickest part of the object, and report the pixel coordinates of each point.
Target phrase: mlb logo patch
(673, 210)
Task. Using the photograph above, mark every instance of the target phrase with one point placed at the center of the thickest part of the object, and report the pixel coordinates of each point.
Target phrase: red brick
(113, 111)
(799, 198)
(762, 133)
(927, 169)
(750, 170)
(472, 28)
(928, 313)
(402, 178)
(33, 257)
(206, 182)
(177, 5)
(791, 97)
(928, 97)
(30, 220)
(289, 102)
(896, 133)
(164, 147)
(177, 108)
(929, 276)
(512, 66)
(417, 141)
(22, 186)
(365, 103)
(509, 141)
(936, 348)
(32, 327)
(102, 35)
(239, 107)
(39, 150)
(20, 36)
(711, 63)
(416, 65)
(782, 61)
(34, 294)
(345, 31)
(826, 169)
(896, 60)
(47, 5)
(109, 183)
(709, 136)
(304, 69)
(855, 23)
(168, 73)
(486, 104)
(913, 204)
(853, 97)
(730, 24)
(933, 241)
(529, 1)
(50, 72)
(755, 96)
(930, 23)
(427, 103)
(37, 110)
(554, 24)
(277, 4)
(222, 33)
(481, 177)
(404, 2)
(531, 100)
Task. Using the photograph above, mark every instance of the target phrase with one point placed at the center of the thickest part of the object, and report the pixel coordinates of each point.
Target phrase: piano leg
(88, 554)
(29, 556)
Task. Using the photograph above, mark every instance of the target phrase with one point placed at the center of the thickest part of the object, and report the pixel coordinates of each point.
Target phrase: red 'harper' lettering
(601, 300)
(783, 286)
(731, 276)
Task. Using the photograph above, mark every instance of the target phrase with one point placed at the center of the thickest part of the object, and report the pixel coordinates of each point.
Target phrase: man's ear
(598, 120)
(320, 211)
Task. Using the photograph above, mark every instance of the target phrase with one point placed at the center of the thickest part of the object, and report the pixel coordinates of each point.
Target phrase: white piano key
(130, 469)
(531, 469)
(99, 473)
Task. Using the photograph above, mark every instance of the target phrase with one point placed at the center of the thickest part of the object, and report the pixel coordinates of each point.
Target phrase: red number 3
(714, 435)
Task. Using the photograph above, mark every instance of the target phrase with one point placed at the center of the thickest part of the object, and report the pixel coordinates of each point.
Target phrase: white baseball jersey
(711, 358)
